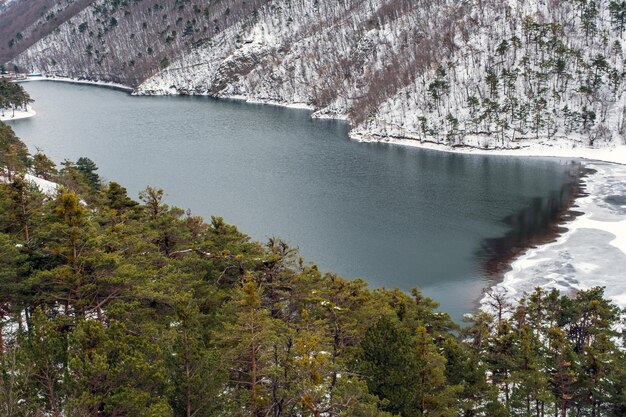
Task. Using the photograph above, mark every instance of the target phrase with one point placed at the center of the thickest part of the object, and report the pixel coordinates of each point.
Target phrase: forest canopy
(111, 306)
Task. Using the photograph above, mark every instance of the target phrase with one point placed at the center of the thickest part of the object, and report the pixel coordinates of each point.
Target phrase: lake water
(394, 216)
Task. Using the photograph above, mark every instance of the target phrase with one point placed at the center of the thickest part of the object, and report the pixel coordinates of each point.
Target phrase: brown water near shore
(533, 226)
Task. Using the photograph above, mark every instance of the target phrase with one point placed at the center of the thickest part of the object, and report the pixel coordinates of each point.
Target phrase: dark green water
(395, 216)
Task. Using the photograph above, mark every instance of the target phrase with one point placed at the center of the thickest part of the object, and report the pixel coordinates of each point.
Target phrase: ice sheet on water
(592, 252)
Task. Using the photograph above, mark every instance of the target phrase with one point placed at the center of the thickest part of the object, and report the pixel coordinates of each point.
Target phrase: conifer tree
(435, 397)
(43, 167)
(386, 361)
(247, 341)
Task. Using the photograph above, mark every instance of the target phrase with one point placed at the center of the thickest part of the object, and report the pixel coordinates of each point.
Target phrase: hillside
(23, 23)
(487, 74)
(128, 41)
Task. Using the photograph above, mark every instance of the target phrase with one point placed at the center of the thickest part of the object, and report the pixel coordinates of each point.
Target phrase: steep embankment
(486, 74)
(125, 41)
(24, 23)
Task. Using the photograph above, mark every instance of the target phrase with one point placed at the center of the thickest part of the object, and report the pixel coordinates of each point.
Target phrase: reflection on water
(534, 224)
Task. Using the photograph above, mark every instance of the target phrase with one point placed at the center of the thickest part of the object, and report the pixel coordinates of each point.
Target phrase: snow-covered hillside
(5, 3)
(481, 73)
(127, 41)
(530, 71)
(23, 23)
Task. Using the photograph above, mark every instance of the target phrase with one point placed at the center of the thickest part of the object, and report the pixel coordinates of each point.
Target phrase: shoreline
(498, 265)
(19, 114)
(615, 154)
(546, 260)
(106, 84)
(605, 154)
(297, 106)
(587, 249)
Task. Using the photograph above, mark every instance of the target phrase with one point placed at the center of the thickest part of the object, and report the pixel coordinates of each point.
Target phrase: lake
(394, 216)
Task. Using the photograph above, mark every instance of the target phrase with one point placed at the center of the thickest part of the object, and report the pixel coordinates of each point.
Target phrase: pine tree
(43, 167)
(88, 169)
(14, 156)
(13, 268)
(43, 357)
(562, 368)
(248, 340)
(618, 15)
(191, 361)
(114, 372)
(22, 208)
(434, 396)
(386, 361)
(531, 391)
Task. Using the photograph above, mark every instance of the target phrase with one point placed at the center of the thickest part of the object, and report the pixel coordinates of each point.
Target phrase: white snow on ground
(4, 4)
(19, 114)
(592, 252)
(302, 106)
(78, 81)
(557, 148)
(49, 188)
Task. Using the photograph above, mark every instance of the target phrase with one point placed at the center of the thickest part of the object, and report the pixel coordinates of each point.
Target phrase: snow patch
(557, 148)
(48, 188)
(79, 81)
(9, 114)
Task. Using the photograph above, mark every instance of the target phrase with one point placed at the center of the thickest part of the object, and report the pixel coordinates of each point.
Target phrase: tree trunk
(187, 392)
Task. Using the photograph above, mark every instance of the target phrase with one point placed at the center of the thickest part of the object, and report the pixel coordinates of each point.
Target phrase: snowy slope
(5, 3)
(128, 41)
(493, 75)
(482, 73)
